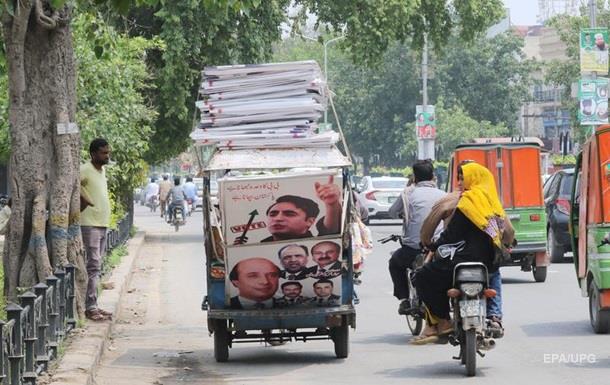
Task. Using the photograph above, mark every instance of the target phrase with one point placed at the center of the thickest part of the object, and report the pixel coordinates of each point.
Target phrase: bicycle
(415, 314)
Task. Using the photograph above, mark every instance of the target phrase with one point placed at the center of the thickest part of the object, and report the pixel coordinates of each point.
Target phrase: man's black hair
(153, 180)
(423, 170)
(324, 280)
(310, 207)
(96, 144)
(291, 283)
(279, 253)
(189, 179)
(234, 275)
(335, 244)
(165, 177)
(177, 181)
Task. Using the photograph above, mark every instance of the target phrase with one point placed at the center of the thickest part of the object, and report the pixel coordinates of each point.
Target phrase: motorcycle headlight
(471, 289)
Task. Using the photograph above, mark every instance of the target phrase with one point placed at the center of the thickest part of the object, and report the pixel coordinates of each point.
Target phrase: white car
(213, 191)
(378, 194)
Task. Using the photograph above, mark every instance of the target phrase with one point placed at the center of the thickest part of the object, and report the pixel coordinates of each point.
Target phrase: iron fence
(118, 236)
(35, 328)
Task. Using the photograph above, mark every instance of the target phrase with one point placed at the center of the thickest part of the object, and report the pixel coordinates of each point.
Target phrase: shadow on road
(558, 329)
(527, 279)
(399, 339)
(450, 369)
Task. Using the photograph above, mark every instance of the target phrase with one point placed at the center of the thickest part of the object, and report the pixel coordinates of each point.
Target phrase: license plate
(514, 217)
(470, 308)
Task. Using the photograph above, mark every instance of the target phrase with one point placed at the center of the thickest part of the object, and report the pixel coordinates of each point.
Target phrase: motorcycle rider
(164, 186)
(479, 221)
(190, 190)
(443, 211)
(413, 207)
(151, 190)
(176, 198)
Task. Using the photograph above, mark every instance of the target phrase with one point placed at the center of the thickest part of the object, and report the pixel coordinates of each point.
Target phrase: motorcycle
(152, 203)
(415, 313)
(178, 219)
(468, 296)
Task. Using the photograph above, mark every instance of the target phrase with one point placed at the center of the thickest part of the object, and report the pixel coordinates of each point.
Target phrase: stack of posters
(283, 240)
(259, 106)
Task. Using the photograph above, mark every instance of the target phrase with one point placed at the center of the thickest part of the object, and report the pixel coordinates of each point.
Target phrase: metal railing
(36, 326)
(118, 236)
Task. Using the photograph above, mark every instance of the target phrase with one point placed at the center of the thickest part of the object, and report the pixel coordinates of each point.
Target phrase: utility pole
(425, 147)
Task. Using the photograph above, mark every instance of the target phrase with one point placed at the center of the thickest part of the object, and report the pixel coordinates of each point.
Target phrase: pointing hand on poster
(330, 194)
(242, 238)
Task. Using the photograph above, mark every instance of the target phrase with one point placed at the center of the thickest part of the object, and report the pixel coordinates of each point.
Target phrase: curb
(83, 352)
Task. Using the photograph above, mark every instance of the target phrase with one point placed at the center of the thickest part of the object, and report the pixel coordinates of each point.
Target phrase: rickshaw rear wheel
(539, 273)
(600, 319)
(554, 250)
(340, 337)
(221, 341)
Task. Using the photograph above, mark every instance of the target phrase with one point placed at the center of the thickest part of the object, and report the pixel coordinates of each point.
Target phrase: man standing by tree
(95, 219)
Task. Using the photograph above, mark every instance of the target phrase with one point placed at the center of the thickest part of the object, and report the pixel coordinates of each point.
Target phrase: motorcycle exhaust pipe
(488, 343)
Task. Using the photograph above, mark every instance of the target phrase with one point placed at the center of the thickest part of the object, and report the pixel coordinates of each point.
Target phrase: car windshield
(566, 184)
(389, 183)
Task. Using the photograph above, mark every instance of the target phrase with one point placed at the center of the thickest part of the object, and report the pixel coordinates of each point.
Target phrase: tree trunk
(44, 226)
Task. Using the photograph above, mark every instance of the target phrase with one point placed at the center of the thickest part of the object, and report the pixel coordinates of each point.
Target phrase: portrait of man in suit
(256, 280)
(292, 291)
(294, 260)
(326, 255)
(323, 289)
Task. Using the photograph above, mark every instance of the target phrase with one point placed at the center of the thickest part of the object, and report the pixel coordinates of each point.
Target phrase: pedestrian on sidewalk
(95, 219)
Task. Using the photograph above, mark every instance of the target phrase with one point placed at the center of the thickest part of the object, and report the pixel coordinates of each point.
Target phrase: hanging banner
(425, 122)
(594, 50)
(593, 101)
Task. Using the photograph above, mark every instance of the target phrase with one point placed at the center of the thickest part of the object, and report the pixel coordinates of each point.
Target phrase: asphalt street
(161, 335)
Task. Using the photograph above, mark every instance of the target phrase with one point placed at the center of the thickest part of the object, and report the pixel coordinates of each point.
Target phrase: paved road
(161, 337)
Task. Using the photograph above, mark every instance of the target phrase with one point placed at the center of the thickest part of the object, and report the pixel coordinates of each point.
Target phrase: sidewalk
(85, 346)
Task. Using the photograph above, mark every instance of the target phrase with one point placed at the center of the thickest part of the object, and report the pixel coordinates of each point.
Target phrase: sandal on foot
(424, 340)
(105, 313)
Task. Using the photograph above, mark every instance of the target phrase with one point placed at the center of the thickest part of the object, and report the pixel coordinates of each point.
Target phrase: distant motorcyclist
(190, 190)
(151, 191)
(413, 207)
(164, 186)
(176, 198)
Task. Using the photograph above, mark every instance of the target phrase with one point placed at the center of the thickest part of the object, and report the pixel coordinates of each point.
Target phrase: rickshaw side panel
(526, 179)
(604, 154)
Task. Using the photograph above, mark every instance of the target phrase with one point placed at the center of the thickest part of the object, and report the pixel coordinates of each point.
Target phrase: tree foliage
(488, 78)
(371, 27)
(111, 99)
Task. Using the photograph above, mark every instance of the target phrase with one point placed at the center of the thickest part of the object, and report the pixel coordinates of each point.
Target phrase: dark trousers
(402, 259)
(432, 282)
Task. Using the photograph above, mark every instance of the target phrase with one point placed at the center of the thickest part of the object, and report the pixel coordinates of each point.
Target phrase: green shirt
(94, 187)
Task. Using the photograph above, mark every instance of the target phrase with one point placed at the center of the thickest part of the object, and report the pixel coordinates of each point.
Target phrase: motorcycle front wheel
(469, 352)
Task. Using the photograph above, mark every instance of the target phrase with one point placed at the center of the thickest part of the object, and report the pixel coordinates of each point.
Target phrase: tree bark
(44, 225)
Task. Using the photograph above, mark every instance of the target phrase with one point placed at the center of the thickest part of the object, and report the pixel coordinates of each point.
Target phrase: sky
(522, 12)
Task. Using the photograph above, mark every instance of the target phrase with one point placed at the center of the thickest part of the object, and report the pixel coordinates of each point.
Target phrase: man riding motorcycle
(413, 207)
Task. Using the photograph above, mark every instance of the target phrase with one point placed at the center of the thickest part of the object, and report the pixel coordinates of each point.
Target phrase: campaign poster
(425, 122)
(264, 209)
(594, 50)
(593, 101)
(281, 275)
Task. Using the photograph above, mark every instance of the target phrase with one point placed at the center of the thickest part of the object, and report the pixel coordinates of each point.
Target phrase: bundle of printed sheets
(262, 106)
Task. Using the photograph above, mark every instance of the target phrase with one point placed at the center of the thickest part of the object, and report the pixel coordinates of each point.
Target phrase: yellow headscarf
(479, 201)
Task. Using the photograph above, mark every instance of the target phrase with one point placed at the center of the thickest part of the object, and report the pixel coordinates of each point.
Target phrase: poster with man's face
(279, 208)
(594, 50)
(593, 100)
(292, 274)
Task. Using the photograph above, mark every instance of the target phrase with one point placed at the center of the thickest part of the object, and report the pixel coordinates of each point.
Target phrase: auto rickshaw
(516, 169)
(238, 230)
(590, 226)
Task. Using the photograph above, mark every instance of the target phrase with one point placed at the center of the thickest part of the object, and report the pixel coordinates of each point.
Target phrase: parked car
(557, 191)
(378, 194)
